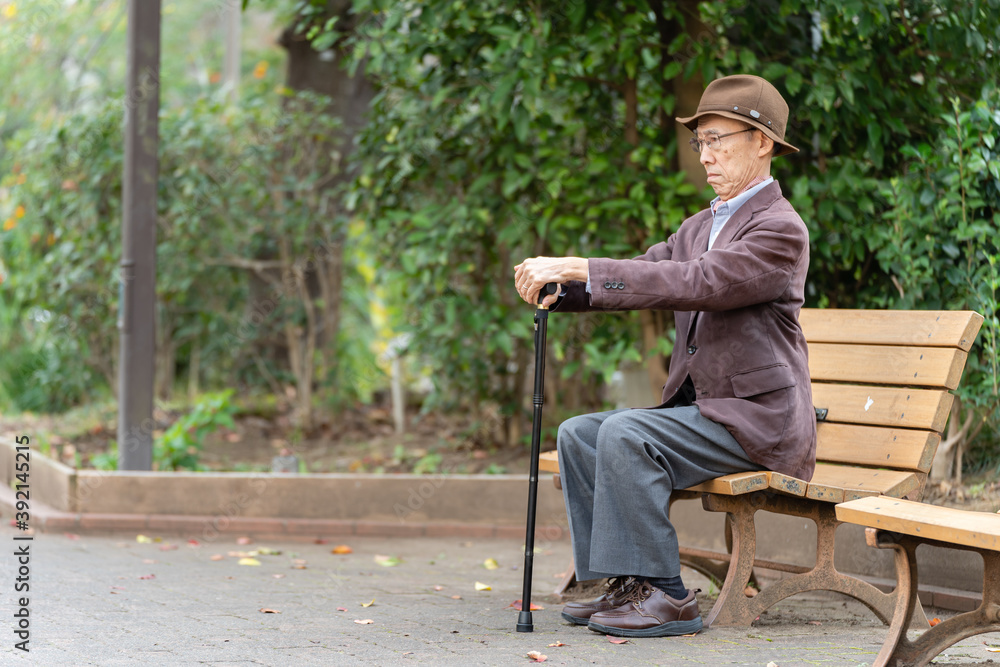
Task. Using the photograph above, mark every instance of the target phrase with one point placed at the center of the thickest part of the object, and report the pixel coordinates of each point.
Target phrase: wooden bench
(903, 525)
(881, 384)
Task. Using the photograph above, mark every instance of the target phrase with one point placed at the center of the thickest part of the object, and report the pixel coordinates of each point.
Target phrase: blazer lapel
(758, 202)
(701, 238)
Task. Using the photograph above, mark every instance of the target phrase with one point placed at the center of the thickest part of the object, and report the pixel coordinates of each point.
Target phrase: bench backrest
(884, 378)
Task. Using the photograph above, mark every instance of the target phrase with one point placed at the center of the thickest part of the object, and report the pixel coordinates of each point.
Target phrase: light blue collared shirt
(726, 209)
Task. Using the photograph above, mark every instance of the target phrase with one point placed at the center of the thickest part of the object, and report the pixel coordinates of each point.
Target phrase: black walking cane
(524, 623)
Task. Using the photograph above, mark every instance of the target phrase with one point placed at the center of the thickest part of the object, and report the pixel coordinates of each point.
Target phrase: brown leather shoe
(618, 588)
(649, 612)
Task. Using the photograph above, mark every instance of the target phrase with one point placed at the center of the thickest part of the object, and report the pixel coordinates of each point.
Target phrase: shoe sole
(670, 629)
(575, 619)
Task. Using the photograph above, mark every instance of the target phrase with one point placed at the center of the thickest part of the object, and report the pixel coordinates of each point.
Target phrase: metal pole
(137, 282)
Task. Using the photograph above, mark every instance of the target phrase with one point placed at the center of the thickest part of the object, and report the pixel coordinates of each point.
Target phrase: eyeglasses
(713, 141)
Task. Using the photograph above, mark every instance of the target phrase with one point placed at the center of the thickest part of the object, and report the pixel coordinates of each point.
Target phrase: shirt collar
(752, 188)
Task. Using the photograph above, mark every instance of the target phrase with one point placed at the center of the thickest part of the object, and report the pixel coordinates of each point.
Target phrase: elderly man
(738, 394)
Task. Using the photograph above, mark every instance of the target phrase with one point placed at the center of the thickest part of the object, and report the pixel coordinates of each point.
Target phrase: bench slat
(884, 406)
(735, 484)
(876, 446)
(887, 364)
(548, 461)
(840, 483)
(948, 524)
(929, 328)
(835, 483)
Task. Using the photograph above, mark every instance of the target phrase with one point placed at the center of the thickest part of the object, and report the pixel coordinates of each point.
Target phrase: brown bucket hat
(750, 99)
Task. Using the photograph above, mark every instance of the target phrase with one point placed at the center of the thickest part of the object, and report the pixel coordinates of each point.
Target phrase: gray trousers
(618, 470)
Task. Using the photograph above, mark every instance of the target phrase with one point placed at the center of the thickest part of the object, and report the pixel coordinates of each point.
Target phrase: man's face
(741, 157)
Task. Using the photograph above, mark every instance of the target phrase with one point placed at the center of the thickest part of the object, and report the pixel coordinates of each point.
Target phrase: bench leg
(734, 608)
(700, 560)
(898, 650)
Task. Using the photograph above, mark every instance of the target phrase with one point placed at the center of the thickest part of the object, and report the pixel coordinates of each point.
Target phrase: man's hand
(532, 274)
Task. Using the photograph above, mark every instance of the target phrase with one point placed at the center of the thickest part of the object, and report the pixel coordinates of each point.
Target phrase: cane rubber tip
(524, 623)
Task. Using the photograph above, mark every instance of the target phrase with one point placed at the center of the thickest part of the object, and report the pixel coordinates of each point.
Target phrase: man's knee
(579, 432)
(569, 433)
(622, 440)
(621, 429)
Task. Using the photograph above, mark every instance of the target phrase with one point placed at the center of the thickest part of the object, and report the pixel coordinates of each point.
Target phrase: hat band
(753, 114)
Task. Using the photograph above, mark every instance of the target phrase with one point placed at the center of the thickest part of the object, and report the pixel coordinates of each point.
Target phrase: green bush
(242, 221)
(940, 245)
(178, 448)
(180, 445)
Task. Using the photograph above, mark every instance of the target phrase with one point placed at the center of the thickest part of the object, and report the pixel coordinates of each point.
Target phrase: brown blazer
(736, 310)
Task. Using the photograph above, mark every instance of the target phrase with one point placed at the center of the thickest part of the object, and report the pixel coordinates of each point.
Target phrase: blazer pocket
(762, 380)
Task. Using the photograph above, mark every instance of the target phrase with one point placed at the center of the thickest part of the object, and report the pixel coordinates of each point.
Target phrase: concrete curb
(46, 519)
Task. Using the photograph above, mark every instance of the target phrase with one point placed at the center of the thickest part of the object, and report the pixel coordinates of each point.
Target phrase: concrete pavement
(112, 600)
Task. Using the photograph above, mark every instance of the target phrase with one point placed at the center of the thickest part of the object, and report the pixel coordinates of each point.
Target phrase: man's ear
(766, 146)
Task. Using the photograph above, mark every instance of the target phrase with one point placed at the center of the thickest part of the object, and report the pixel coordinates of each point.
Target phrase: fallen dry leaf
(366, 621)
(72, 536)
(537, 657)
(814, 622)
(934, 621)
(368, 604)
(244, 540)
(480, 586)
(148, 561)
(387, 561)
(439, 588)
(772, 664)
(265, 551)
(557, 644)
(516, 604)
(265, 610)
(168, 547)
(491, 564)
(249, 561)
(341, 608)
(217, 557)
(298, 564)
(456, 597)
(148, 576)
(617, 640)
(142, 539)
(194, 543)
(320, 540)
(278, 576)
(342, 549)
